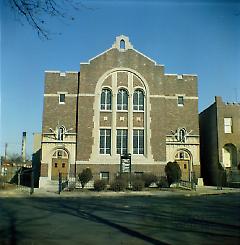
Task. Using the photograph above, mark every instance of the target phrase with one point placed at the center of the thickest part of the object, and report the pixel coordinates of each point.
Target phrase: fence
(20, 178)
(187, 184)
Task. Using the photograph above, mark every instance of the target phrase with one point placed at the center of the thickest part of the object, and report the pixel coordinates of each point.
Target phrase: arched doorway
(59, 163)
(183, 159)
(229, 156)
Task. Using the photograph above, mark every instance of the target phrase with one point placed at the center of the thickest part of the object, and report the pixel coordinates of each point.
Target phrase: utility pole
(5, 154)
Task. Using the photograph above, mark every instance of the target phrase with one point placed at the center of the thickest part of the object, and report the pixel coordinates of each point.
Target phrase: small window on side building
(180, 101)
(227, 125)
(61, 98)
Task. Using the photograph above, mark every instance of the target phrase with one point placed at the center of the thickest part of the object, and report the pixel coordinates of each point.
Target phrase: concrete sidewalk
(205, 190)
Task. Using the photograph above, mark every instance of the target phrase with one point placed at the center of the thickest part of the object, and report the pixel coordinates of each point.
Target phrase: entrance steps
(50, 185)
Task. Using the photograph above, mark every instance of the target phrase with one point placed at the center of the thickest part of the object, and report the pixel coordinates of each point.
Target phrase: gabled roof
(123, 44)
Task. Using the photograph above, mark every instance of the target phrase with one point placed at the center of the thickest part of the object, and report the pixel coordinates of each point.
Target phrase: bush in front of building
(137, 184)
(100, 185)
(119, 184)
(149, 178)
(85, 176)
(173, 172)
(162, 182)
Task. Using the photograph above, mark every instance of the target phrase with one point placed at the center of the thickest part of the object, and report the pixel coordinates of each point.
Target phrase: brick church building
(119, 102)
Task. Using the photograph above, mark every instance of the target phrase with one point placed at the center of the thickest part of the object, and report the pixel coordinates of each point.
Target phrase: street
(210, 219)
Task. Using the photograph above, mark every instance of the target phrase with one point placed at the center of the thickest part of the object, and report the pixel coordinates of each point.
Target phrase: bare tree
(37, 13)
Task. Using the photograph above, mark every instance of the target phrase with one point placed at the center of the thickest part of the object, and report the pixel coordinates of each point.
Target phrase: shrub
(85, 176)
(124, 176)
(173, 172)
(137, 185)
(162, 182)
(119, 184)
(149, 179)
(100, 185)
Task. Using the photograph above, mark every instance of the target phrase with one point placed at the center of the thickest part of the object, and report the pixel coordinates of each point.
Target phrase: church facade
(120, 102)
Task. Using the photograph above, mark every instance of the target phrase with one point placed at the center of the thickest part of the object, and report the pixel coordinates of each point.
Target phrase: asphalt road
(212, 219)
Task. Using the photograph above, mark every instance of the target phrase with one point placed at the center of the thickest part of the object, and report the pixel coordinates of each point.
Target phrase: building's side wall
(213, 139)
(228, 111)
(209, 144)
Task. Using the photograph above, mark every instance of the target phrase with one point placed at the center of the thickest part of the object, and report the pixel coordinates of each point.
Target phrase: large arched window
(106, 99)
(122, 100)
(138, 100)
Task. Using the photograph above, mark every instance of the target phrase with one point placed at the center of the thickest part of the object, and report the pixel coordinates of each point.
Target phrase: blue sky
(196, 37)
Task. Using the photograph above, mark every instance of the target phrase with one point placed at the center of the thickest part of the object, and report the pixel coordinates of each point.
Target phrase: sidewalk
(205, 190)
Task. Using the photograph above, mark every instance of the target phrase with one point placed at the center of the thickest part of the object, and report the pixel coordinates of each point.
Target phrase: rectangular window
(138, 141)
(122, 141)
(180, 101)
(105, 141)
(61, 98)
(104, 176)
(227, 125)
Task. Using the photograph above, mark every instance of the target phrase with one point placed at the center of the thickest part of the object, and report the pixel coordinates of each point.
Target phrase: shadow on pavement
(146, 220)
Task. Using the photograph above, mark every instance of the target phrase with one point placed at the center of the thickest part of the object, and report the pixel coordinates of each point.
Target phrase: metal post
(193, 184)
(130, 169)
(59, 182)
(32, 182)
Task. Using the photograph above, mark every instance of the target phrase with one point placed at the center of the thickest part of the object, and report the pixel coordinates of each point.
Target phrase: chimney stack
(24, 146)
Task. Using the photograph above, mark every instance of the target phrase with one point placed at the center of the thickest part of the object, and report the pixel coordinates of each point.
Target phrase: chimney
(24, 146)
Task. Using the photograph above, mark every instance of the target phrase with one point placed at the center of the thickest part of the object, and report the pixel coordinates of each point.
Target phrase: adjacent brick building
(120, 102)
(220, 142)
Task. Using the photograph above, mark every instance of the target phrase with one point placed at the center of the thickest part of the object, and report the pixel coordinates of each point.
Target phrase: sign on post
(125, 163)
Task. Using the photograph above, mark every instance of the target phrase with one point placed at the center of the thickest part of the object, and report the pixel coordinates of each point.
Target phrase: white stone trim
(176, 75)
(173, 96)
(52, 71)
(66, 72)
(138, 160)
(179, 143)
(145, 56)
(147, 151)
(89, 95)
(58, 93)
(192, 75)
(117, 43)
(97, 56)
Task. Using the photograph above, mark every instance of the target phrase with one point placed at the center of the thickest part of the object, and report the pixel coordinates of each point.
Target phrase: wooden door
(184, 166)
(59, 165)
